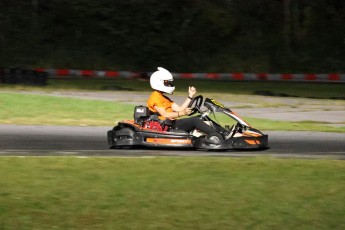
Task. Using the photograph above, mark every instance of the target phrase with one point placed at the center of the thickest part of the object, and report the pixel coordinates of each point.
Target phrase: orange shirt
(158, 99)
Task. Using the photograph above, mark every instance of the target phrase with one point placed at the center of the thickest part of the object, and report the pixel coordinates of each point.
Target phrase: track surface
(25, 140)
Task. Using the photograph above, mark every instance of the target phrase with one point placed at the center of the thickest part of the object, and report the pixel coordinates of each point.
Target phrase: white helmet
(162, 80)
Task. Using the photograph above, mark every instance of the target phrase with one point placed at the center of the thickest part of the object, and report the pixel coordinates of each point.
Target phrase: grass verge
(29, 109)
(171, 193)
(50, 110)
(292, 89)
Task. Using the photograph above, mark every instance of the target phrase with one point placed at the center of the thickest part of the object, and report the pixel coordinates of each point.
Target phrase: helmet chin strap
(167, 93)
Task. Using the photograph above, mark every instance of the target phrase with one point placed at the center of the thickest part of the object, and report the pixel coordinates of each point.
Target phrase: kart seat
(144, 117)
(141, 113)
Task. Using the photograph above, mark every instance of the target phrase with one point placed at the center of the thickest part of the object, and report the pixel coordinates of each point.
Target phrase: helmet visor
(168, 83)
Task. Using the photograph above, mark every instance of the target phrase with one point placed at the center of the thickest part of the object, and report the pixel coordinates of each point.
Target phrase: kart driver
(162, 82)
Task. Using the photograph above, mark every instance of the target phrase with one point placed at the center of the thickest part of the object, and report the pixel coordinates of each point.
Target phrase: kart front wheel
(215, 137)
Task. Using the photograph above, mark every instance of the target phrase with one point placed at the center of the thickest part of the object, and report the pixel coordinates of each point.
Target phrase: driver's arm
(184, 106)
(181, 108)
(172, 115)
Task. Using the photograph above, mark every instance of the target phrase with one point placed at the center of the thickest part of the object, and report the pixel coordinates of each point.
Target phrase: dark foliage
(182, 35)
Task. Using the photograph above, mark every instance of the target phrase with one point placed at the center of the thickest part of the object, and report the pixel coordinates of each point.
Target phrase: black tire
(124, 133)
(214, 136)
(110, 136)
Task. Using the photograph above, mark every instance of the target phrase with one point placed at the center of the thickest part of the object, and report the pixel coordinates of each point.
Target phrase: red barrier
(238, 76)
(261, 76)
(212, 76)
(187, 75)
(87, 73)
(112, 74)
(287, 76)
(332, 77)
(62, 72)
(310, 77)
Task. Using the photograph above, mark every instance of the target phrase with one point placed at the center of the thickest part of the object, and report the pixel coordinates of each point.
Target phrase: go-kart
(146, 130)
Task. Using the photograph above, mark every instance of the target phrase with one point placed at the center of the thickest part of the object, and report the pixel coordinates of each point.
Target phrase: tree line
(182, 35)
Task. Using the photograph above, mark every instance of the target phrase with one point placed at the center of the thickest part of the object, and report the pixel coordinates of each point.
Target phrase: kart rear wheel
(124, 133)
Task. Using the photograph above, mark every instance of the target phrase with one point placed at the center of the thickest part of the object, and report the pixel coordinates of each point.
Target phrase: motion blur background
(182, 35)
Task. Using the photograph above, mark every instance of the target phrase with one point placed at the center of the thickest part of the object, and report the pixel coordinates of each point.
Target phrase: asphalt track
(24, 140)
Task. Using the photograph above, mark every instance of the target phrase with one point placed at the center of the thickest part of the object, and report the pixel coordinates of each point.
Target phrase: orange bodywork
(252, 142)
(171, 141)
(240, 117)
(251, 134)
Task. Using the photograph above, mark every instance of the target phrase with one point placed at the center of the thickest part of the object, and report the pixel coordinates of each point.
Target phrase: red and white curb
(67, 73)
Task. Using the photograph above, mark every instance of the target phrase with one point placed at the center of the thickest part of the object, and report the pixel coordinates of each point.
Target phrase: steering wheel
(195, 105)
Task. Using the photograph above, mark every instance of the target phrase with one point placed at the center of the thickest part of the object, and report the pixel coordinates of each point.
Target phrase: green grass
(164, 193)
(51, 110)
(29, 109)
(263, 124)
(296, 89)
(171, 193)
